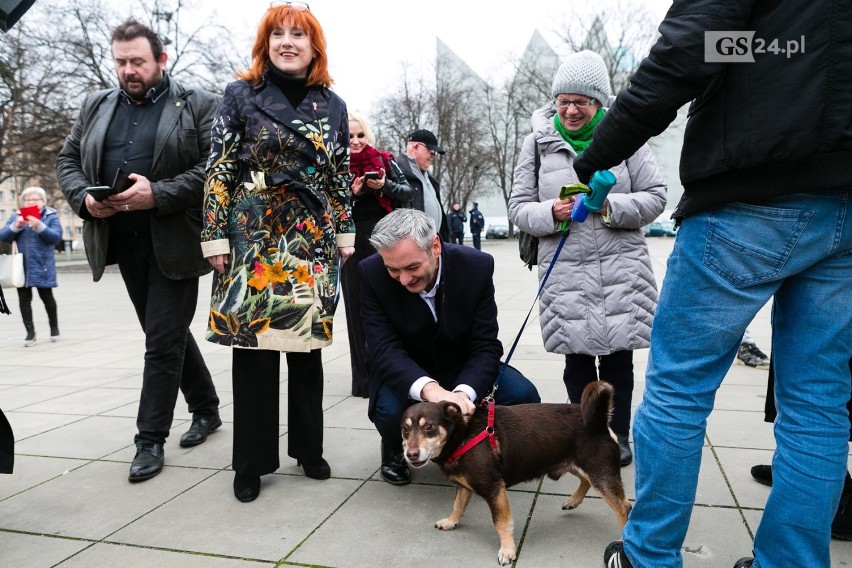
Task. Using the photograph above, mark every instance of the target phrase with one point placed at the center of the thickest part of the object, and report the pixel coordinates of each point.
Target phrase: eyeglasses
(299, 6)
(582, 103)
(432, 153)
(31, 199)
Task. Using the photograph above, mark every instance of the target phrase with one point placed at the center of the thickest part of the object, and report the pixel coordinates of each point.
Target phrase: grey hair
(402, 224)
(41, 193)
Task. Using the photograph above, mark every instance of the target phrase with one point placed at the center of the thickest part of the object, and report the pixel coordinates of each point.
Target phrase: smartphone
(371, 175)
(121, 181)
(100, 192)
(30, 211)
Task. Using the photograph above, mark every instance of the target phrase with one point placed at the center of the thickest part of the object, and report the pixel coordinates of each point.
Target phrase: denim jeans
(726, 265)
(514, 388)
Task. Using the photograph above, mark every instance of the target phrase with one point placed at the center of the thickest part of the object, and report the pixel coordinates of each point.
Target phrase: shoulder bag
(12, 269)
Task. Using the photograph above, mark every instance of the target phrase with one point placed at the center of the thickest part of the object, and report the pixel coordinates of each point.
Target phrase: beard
(137, 87)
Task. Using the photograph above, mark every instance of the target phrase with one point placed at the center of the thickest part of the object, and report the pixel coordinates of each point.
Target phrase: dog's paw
(571, 503)
(446, 525)
(506, 556)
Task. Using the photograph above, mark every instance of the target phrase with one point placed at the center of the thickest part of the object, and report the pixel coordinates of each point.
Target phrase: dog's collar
(487, 433)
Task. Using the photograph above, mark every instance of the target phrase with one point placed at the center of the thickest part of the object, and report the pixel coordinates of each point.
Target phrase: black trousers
(173, 362)
(616, 369)
(255, 384)
(25, 303)
(351, 281)
(476, 242)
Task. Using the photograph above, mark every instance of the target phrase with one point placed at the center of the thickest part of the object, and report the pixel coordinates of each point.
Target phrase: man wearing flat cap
(421, 149)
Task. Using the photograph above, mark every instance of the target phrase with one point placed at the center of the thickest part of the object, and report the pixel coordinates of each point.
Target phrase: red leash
(487, 433)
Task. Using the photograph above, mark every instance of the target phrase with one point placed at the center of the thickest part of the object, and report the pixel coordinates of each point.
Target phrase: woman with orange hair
(277, 226)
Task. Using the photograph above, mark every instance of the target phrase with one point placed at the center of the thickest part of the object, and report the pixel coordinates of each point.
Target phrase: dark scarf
(371, 160)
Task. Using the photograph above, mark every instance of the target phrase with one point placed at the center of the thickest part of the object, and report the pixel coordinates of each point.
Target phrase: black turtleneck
(294, 88)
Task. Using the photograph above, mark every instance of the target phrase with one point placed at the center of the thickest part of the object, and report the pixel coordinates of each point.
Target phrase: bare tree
(44, 74)
(621, 31)
(508, 110)
(483, 125)
(444, 108)
(35, 108)
(399, 113)
(460, 128)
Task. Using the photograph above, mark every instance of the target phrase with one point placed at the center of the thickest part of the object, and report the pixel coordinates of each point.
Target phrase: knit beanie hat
(583, 73)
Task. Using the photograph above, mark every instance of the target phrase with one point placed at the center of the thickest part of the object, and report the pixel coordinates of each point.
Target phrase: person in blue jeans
(766, 212)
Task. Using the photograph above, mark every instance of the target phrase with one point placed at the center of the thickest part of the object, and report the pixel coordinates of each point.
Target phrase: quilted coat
(277, 202)
(39, 249)
(601, 296)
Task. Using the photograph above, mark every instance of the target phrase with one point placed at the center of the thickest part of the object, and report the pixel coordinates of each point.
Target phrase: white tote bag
(12, 269)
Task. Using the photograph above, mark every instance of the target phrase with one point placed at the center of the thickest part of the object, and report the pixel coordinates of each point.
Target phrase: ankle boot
(841, 526)
(27, 316)
(30, 340)
(394, 468)
(52, 319)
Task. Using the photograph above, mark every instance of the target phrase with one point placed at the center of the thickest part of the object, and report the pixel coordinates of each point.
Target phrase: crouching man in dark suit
(430, 321)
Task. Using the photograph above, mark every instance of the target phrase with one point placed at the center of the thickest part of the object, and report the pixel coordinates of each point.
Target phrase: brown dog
(532, 440)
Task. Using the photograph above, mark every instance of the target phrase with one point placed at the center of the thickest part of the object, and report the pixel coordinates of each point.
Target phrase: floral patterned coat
(277, 202)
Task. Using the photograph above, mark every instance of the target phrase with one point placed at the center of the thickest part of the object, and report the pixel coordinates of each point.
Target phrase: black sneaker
(744, 562)
(750, 355)
(614, 556)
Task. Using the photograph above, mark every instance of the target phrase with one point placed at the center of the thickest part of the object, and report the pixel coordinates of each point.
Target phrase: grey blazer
(177, 177)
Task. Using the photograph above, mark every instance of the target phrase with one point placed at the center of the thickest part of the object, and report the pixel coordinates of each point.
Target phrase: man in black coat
(158, 133)
(431, 324)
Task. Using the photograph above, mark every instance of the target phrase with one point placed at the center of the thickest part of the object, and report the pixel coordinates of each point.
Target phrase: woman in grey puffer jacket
(600, 298)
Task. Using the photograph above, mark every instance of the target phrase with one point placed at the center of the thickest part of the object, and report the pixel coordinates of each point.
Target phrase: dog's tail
(596, 405)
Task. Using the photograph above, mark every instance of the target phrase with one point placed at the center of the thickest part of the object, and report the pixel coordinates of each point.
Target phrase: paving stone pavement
(72, 405)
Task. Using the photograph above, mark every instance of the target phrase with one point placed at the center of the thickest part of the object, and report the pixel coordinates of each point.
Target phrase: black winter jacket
(777, 126)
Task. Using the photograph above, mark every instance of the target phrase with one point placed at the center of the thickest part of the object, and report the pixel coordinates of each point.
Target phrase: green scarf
(579, 139)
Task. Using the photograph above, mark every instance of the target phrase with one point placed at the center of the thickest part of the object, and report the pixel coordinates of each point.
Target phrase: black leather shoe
(200, 429)
(246, 487)
(394, 468)
(624, 451)
(316, 470)
(148, 461)
(762, 474)
(744, 562)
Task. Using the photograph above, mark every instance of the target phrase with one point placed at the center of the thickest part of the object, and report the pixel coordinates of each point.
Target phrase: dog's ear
(453, 413)
(451, 409)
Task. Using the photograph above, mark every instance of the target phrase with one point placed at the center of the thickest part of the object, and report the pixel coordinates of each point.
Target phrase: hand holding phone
(100, 192)
(30, 211)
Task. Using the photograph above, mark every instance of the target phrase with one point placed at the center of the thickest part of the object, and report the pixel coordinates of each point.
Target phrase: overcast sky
(369, 41)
